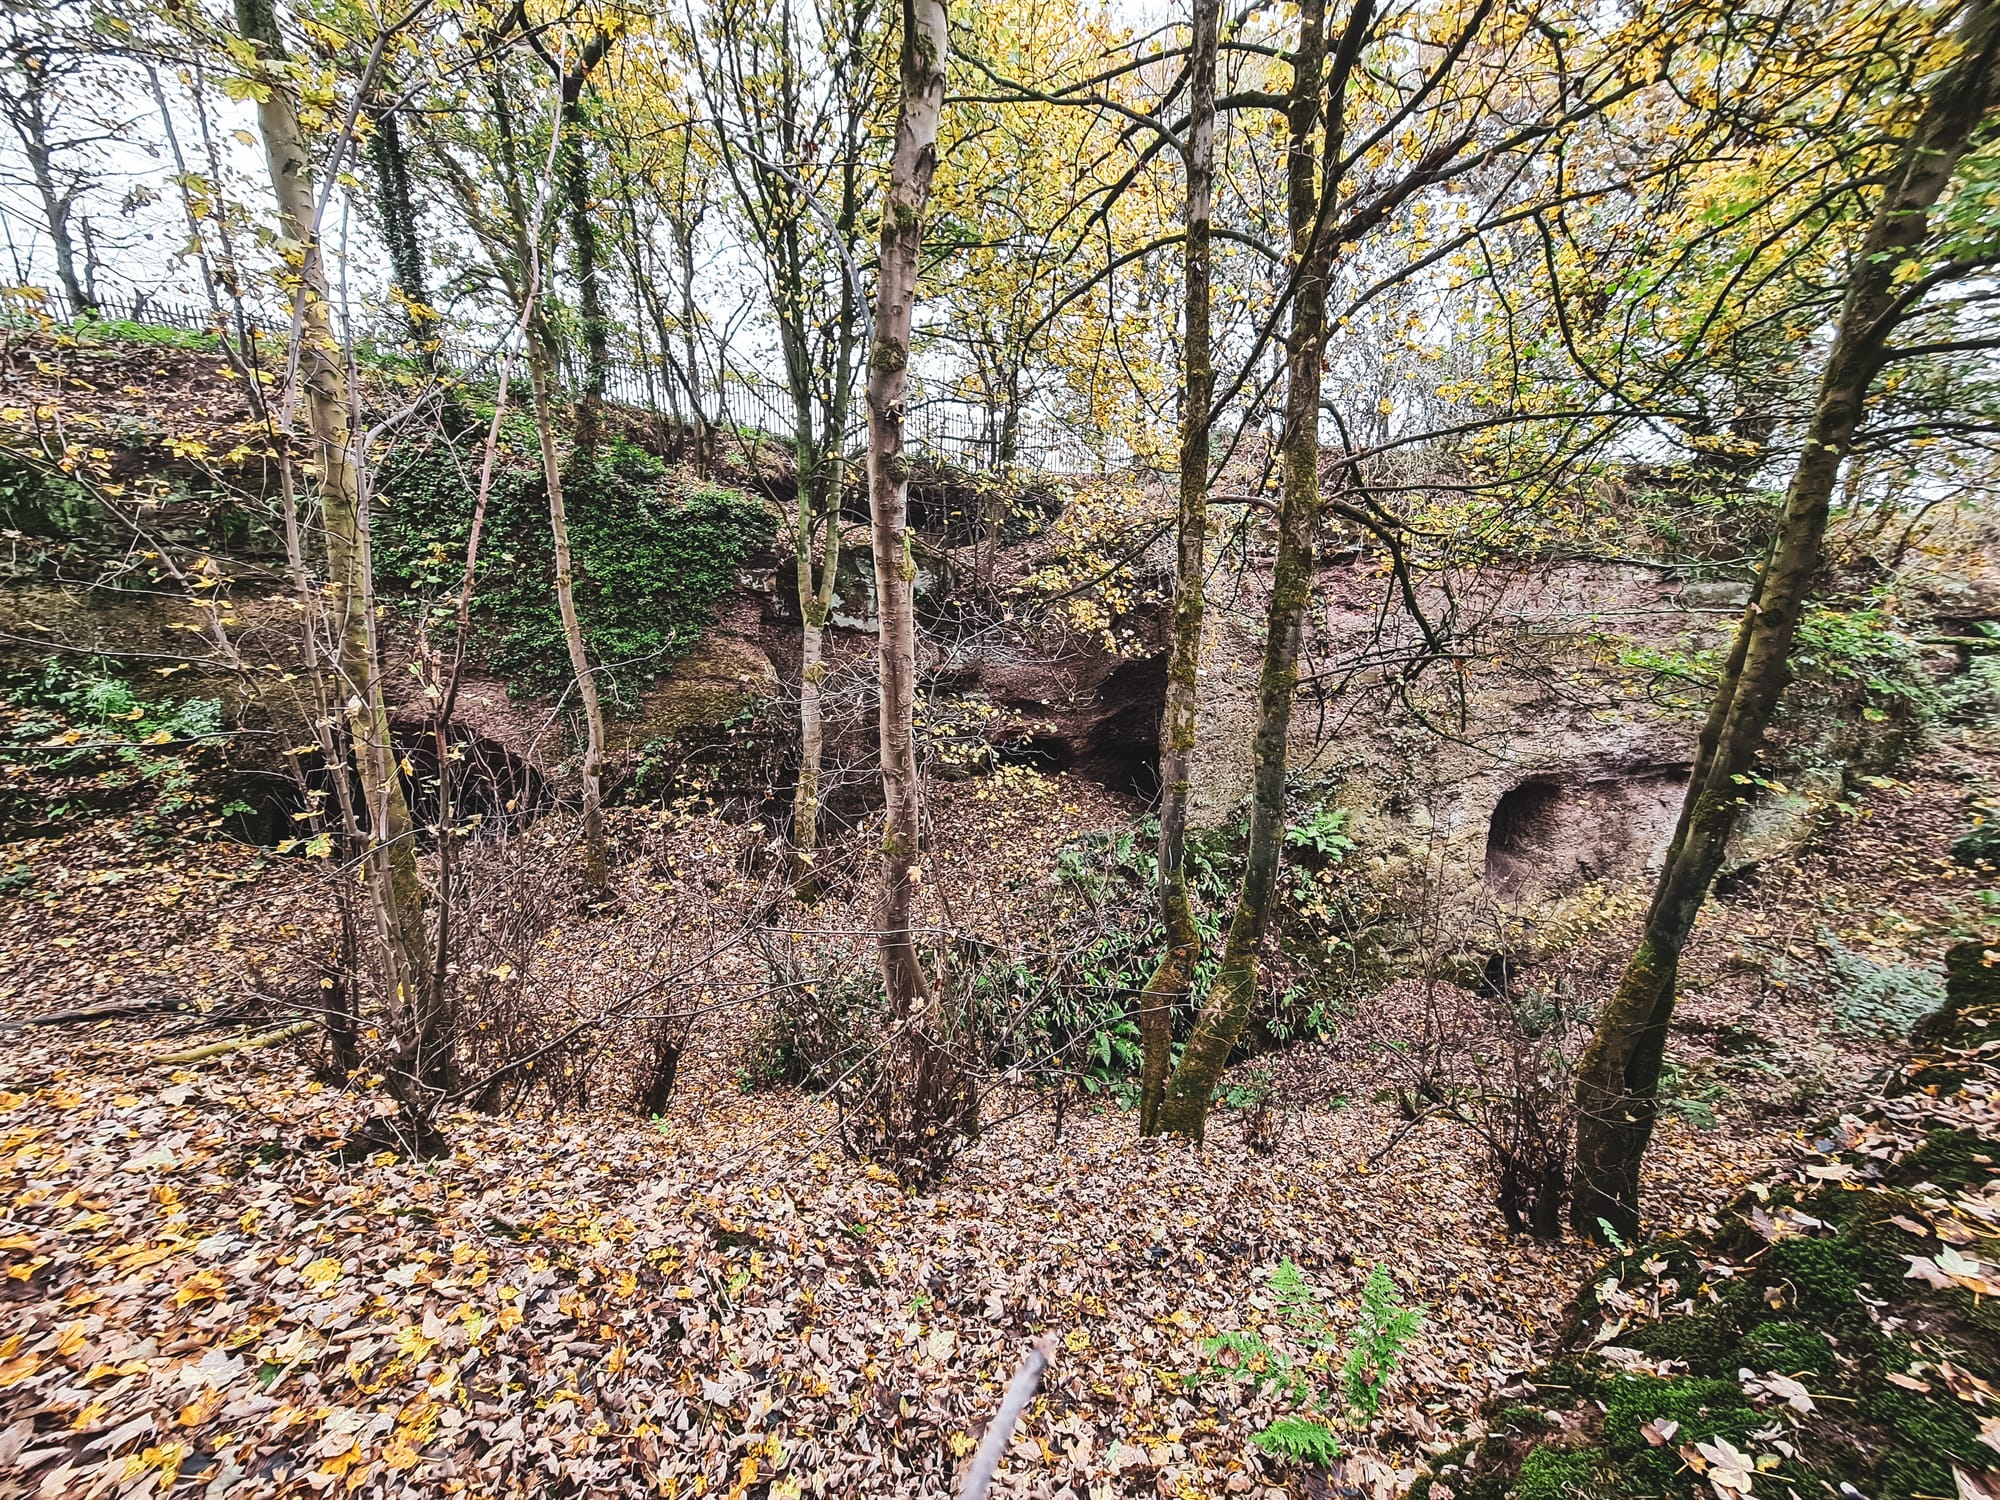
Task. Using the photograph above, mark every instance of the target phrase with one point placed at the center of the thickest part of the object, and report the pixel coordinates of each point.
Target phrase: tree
(1172, 979)
(1184, 1109)
(395, 206)
(1905, 256)
(924, 1096)
(40, 75)
(512, 233)
(794, 108)
(1381, 154)
(420, 1049)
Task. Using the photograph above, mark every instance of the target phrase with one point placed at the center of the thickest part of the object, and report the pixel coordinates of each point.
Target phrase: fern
(1306, 1380)
(1299, 1301)
(1267, 1368)
(1385, 1329)
(1299, 1440)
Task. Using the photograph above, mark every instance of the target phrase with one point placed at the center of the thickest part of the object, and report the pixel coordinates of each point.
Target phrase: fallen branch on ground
(238, 1044)
(118, 1010)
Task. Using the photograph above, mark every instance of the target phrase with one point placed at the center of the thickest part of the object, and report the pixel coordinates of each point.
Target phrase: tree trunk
(818, 495)
(1171, 980)
(583, 236)
(1618, 1076)
(596, 865)
(420, 1047)
(910, 172)
(31, 123)
(1184, 1111)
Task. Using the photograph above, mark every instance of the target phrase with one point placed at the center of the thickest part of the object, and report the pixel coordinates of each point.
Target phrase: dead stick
(1020, 1391)
(242, 1044)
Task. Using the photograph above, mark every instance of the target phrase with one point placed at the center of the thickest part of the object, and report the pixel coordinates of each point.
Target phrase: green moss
(1520, 1417)
(1789, 1349)
(1951, 1159)
(1821, 1274)
(1703, 1341)
(650, 562)
(1567, 1378)
(1704, 1408)
(1552, 1474)
(1928, 1435)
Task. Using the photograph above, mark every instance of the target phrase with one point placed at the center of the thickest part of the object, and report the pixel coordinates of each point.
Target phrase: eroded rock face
(1536, 765)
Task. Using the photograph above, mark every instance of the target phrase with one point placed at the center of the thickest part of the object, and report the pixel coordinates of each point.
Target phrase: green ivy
(651, 557)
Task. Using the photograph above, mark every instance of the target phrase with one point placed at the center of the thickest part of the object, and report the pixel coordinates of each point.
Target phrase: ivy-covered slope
(653, 554)
(1836, 1332)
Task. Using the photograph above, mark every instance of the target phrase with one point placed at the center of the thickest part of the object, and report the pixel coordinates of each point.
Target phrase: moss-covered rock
(1821, 1274)
(1787, 1348)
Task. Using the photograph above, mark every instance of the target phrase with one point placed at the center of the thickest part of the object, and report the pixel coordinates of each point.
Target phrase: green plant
(1298, 1440)
(1304, 1373)
(650, 559)
(1979, 844)
(1385, 1329)
(104, 748)
(1704, 1409)
(1322, 835)
(1250, 1092)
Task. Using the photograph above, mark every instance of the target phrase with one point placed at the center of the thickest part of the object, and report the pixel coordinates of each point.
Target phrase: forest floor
(199, 1298)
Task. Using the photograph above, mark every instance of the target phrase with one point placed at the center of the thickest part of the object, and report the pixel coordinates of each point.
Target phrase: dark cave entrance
(1526, 822)
(1558, 830)
(491, 788)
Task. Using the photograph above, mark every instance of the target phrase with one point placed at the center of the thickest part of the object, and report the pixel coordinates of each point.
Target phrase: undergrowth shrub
(99, 748)
(826, 1012)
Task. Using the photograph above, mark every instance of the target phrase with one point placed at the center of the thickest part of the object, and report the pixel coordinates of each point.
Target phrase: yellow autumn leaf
(322, 1272)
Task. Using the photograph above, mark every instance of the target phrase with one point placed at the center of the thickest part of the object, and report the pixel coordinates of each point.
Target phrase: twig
(1020, 1391)
(240, 1044)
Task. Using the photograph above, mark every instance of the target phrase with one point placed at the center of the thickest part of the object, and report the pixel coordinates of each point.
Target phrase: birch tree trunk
(1171, 980)
(29, 115)
(1618, 1076)
(818, 496)
(910, 172)
(596, 864)
(1184, 1111)
(420, 1041)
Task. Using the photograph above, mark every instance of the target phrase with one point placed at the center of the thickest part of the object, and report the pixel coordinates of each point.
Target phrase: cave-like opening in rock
(1551, 831)
(1526, 822)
